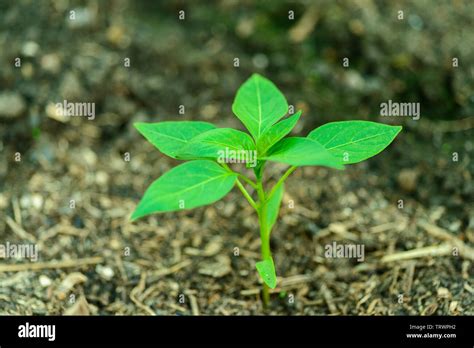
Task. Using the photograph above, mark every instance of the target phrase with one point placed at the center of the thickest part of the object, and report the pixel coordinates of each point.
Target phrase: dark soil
(203, 261)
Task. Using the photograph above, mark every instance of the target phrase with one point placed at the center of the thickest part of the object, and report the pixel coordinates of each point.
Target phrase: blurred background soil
(94, 261)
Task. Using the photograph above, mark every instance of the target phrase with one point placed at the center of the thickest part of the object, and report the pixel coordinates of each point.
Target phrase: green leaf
(266, 269)
(189, 185)
(224, 144)
(302, 152)
(169, 136)
(354, 141)
(259, 104)
(273, 206)
(276, 132)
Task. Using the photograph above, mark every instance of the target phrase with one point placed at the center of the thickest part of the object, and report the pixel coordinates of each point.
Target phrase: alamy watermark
(345, 251)
(395, 109)
(249, 157)
(76, 109)
(19, 251)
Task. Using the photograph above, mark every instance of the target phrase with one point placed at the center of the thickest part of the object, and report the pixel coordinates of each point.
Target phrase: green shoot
(207, 176)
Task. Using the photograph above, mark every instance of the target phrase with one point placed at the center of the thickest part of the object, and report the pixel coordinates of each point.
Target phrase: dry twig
(38, 266)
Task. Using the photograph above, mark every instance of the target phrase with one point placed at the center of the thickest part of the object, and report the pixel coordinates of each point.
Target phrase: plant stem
(248, 181)
(264, 235)
(241, 187)
(281, 181)
(246, 194)
(243, 177)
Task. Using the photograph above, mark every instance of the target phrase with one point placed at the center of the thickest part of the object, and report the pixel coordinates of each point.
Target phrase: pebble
(31, 201)
(30, 49)
(260, 61)
(209, 111)
(105, 272)
(455, 226)
(116, 35)
(173, 285)
(71, 87)
(115, 244)
(12, 105)
(354, 80)
(407, 179)
(44, 281)
(101, 178)
(245, 27)
(89, 157)
(36, 201)
(51, 63)
(27, 71)
(443, 293)
(217, 269)
(53, 112)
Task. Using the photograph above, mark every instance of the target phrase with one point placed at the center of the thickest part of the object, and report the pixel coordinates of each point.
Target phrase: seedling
(207, 177)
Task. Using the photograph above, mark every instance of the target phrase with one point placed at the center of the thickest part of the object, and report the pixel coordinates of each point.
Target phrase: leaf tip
(397, 130)
(135, 216)
(139, 125)
(266, 269)
(138, 212)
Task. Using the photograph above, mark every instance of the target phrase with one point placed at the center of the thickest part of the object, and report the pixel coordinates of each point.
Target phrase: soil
(78, 180)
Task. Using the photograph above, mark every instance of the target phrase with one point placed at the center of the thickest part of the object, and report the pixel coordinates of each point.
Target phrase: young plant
(206, 178)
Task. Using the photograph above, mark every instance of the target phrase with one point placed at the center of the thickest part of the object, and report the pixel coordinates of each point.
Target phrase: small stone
(455, 226)
(356, 26)
(443, 293)
(55, 113)
(31, 201)
(44, 281)
(115, 244)
(173, 286)
(37, 201)
(12, 105)
(89, 157)
(209, 111)
(245, 27)
(101, 178)
(105, 272)
(25, 201)
(407, 179)
(229, 209)
(51, 63)
(27, 71)
(260, 61)
(30, 49)
(218, 268)
(71, 87)
(354, 80)
(116, 35)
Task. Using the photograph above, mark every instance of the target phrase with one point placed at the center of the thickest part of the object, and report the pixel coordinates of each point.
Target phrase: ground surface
(186, 263)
